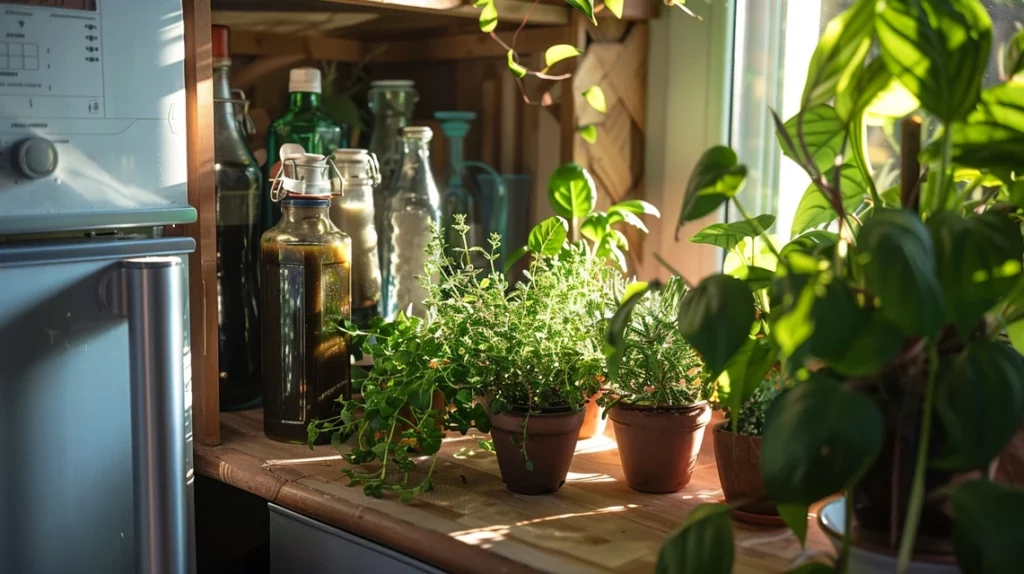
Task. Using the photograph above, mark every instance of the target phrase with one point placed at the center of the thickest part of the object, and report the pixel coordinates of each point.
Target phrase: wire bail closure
(302, 174)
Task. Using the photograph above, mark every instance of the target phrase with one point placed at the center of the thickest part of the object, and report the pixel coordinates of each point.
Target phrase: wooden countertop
(471, 523)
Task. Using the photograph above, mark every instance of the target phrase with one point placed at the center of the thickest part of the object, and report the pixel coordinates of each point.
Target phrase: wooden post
(202, 277)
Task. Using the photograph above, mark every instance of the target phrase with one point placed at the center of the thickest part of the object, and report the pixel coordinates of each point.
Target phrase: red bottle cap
(220, 42)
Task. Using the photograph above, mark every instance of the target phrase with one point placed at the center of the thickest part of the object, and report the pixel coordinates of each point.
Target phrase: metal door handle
(148, 292)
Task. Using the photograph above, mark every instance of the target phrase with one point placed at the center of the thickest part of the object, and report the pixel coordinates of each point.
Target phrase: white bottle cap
(304, 80)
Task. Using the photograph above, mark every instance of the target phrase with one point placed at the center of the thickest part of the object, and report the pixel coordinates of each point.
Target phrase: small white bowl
(832, 518)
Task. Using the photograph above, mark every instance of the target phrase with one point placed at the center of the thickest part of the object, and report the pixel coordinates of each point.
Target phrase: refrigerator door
(87, 329)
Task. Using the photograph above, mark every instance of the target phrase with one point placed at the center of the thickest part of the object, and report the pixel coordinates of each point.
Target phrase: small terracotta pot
(659, 447)
(593, 424)
(550, 443)
(739, 469)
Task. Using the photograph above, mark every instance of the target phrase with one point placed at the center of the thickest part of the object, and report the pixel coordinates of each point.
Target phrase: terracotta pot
(739, 469)
(659, 447)
(593, 424)
(550, 443)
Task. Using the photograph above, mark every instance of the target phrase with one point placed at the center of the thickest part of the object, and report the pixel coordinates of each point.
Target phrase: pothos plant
(891, 313)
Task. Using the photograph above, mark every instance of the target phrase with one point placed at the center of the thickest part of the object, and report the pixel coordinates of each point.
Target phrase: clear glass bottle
(305, 123)
(413, 211)
(392, 103)
(239, 185)
(353, 212)
(305, 272)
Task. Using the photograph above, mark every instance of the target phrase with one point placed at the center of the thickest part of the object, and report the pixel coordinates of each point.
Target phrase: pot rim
(836, 536)
(626, 406)
(511, 412)
(723, 427)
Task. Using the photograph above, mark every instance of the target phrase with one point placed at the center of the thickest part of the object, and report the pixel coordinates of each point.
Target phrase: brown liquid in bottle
(305, 291)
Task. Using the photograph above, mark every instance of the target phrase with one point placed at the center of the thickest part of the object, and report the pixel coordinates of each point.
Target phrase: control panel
(92, 112)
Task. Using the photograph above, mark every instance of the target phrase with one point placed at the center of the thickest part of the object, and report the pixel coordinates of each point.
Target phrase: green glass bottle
(305, 123)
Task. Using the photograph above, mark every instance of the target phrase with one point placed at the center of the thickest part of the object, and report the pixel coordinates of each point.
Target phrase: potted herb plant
(658, 402)
(891, 312)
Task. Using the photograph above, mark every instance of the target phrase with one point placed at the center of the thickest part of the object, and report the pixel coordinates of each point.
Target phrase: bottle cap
(356, 167)
(302, 174)
(219, 37)
(418, 132)
(392, 84)
(304, 80)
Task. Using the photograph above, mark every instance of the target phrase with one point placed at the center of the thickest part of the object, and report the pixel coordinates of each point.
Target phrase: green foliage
(488, 20)
(729, 235)
(717, 177)
(986, 530)
(815, 208)
(840, 51)
(594, 96)
(559, 52)
(760, 390)
(716, 317)
(656, 367)
(571, 191)
(702, 546)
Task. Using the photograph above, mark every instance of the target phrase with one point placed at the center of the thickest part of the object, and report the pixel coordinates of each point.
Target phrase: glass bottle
(239, 185)
(413, 211)
(392, 103)
(305, 123)
(353, 212)
(305, 272)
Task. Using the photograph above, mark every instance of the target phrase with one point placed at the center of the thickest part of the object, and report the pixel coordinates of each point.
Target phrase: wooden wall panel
(201, 195)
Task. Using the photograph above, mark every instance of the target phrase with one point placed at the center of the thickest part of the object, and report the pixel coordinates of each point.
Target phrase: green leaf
(745, 371)
(814, 210)
(704, 544)
(979, 400)
(594, 96)
(823, 134)
(715, 318)
(586, 7)
(559, 52)
(819, 437)
(588, 133)
(986, 528)
(728, 235)
(514, 257)
(514, 66)
(637, 206)
(812, 242)
(615, 335)
(938, 49)
(489, 19)
(874, 345)
(548, 237)
(898, 258)
(755, 277)
(1014, 60)
(571, 191)
(840, 52)
(595, 226)
(795, 517)
(615, 6)
(865, 84)
(834, 305)
(978, 260)
(717, 177)
(628, 217)
(793, 324)
(992, 136)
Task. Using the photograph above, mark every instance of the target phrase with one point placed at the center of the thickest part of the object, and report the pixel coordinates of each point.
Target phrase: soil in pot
(659, 446)
(593, 424)
(549, 442)
(738, 458)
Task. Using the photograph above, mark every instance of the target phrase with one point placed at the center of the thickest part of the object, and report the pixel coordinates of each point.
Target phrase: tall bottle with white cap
(305, 123)
(413, 211)
(305, 285)
(352, 210)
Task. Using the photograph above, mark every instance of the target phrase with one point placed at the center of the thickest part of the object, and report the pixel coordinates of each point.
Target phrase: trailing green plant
(749, 419)
(892, 305)
(658, 368)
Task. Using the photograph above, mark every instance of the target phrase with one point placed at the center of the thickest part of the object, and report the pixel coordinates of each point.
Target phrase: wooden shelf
(471, 523)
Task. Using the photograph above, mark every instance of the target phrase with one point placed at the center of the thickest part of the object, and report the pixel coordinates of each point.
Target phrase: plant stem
(973, 185)
(916, 503)
(757, 226)
(844, 554)
(945, 178)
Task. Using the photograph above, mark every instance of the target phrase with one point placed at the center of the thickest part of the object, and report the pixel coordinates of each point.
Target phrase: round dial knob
(36, 157)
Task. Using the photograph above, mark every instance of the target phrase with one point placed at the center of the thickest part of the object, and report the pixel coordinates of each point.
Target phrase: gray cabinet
(301, 545)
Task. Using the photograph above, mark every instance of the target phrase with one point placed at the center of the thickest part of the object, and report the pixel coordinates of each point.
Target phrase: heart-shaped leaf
(992, 136)
(795, 517)
(586, 7)
(488, 16)
(615, 7)
(819, 437)
(823, 133)
(704, 544)
(548, 237)
(840, 52)
(864, 85)
(717, 177)
(715, 318)
(745, 371)
(559, 52)
(637, 206)
(728, 235)
(571, 191)
(814, 209)
(896, 252)
(594, 96)
(588, 133)
(938, 49)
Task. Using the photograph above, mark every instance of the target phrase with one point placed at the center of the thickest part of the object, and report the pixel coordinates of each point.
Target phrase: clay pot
(659, 446)
(739, 470)
(593, 424)
(550, 443)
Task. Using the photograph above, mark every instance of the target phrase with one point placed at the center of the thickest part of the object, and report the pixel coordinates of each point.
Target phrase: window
(773, 44)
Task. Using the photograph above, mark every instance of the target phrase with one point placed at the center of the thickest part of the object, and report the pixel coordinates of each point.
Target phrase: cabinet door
(300, 545)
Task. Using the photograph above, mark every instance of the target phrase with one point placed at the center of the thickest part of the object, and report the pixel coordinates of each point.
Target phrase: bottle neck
(303, 100)
(305, 210)
(229, 140)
